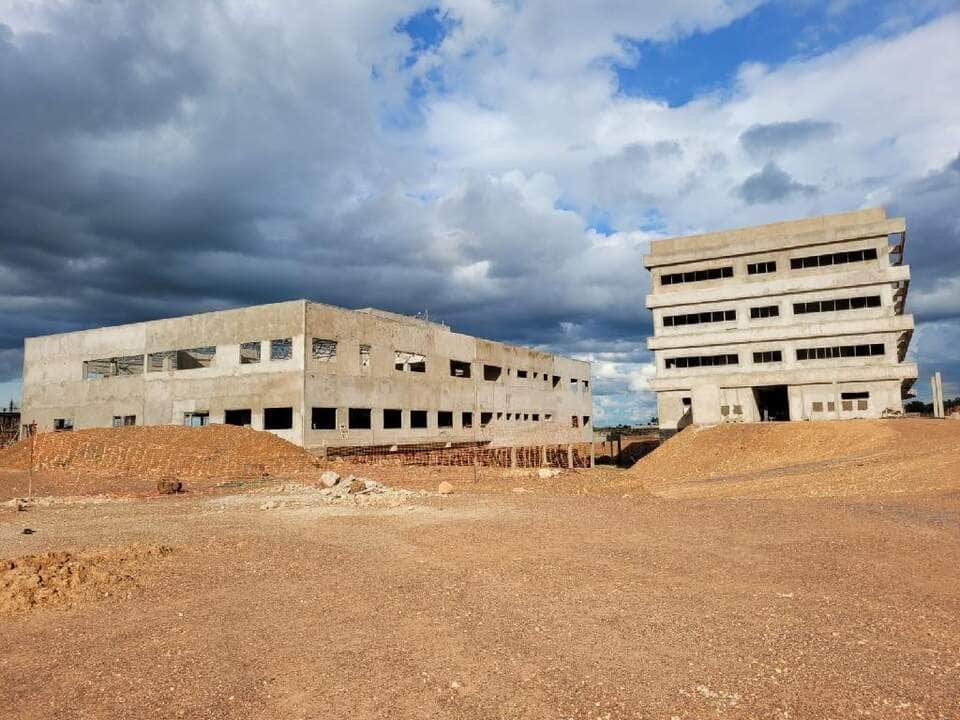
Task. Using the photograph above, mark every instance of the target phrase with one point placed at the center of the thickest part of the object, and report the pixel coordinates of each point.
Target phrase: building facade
(317, 375)
(797, 320)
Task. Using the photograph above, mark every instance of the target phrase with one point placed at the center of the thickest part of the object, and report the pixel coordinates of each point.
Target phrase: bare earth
(758, 590)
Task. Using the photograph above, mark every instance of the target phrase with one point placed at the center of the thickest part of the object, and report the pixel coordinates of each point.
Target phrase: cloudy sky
(501, 164)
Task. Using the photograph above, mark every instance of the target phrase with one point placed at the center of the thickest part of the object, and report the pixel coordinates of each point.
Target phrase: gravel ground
(492, 603)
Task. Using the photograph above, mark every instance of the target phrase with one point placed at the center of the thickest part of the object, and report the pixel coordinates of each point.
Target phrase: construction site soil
(751, 571)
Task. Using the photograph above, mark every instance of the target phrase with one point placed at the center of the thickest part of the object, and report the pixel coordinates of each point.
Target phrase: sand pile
(212, 452)
(58, 578)
(793, 459)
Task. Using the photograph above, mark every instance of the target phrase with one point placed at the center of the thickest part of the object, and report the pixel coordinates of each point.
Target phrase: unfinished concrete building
(317, 375)
(789, 321)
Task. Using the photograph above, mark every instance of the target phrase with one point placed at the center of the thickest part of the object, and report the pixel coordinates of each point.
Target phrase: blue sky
(503, 165)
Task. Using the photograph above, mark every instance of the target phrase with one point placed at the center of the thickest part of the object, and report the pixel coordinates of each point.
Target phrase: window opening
(196, 419)
(238, 417)
(323, 418)
(418, 419)
(359, 418)
(409, 361)
(324, 350)
(459, 369)
(392, 419)
(250, 352)
(279, 418)
(281, 349)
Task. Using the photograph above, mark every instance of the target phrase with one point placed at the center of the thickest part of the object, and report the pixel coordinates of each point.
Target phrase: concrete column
(543, 456)
(513, 456)
(569, 455)
(936, 385)
(592, 455)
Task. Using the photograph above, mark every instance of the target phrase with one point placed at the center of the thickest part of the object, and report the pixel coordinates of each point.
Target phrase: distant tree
(918, 406)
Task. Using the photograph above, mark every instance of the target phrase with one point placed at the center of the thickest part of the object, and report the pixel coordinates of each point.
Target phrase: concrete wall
(344, 383)
(725, 393)
(54, 385)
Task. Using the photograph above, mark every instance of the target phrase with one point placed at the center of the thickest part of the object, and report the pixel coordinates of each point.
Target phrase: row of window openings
(392, 419)
(847, 401)
(768, 311)
(322, 350)
(770, 266)
(774, 356)
(326, 419)
(66, 424)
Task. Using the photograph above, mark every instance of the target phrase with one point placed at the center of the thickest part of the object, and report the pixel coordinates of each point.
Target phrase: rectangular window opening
(466, 419)
(323, 350)
(194, 358)
(406, 361)
(323, 418)
(485, 418)
(364, 355)
(459, 368)
(445, 419)
(765, 311)
(63, 424)
(359, 418)
(418, 419)
(250, 352)
(281, 349)
(491, 372)
(240, 417)
(521, 373)
(196, 419)
(279, 418)
(392, 419)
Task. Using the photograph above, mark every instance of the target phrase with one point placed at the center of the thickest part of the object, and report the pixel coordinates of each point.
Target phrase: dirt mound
(813, 458)
(145, 454)
(63, 577)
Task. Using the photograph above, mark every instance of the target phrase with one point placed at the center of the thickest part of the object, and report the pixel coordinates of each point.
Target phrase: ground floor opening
(773, 403)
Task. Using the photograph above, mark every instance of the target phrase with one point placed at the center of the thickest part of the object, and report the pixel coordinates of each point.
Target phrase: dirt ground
(735, 591)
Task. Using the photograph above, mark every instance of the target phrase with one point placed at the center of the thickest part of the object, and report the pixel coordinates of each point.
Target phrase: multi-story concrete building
(317, 375)
(789, 321)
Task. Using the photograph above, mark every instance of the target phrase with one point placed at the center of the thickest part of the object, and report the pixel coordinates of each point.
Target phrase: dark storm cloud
(154, 167)
(768, 140)
(770, 185)
(931, 205)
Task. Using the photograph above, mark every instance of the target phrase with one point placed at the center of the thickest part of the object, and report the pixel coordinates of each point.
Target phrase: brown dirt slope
(212, 452)
(854, 457)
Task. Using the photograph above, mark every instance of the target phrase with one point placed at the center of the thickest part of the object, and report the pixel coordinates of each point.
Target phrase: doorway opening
(772, 403)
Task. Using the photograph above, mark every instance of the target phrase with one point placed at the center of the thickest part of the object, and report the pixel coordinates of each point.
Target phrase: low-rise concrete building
(789, 321)
(317, 375)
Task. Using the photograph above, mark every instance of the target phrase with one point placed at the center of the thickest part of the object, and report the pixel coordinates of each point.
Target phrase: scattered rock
(270, 505)
(547, 473)
(169, 486)
(19, 505)
(357, 485)
(27, 531)
(329, 478)
(445, 488)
